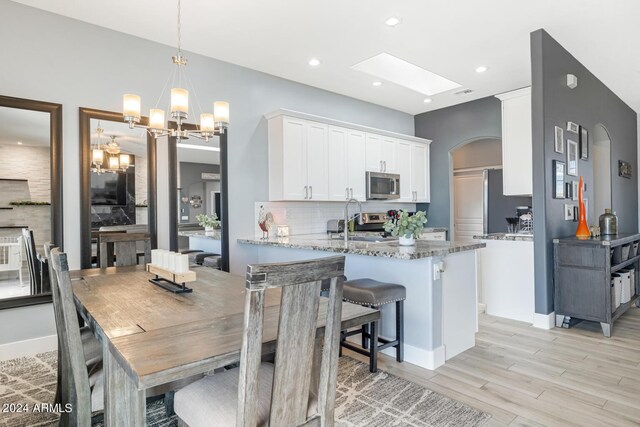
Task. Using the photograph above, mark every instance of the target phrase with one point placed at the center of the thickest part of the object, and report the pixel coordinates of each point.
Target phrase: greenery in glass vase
(405, 225)
(208, 221)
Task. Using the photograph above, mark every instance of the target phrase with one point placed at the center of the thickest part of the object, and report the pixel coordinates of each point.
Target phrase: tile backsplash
(312, 217)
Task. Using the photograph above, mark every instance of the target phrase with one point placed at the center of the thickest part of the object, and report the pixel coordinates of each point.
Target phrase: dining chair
(38, 275)
(124, 246)
(291, 392)
(83, 388)
(90, 345)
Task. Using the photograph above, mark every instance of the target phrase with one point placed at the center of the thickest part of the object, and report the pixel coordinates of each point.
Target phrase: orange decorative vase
(582, 232)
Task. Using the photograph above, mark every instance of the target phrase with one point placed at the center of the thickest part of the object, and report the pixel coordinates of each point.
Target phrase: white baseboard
(28, 347)
(482, 307)
(544, 321)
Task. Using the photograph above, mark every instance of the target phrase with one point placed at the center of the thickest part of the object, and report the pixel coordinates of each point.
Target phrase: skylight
(403, 73)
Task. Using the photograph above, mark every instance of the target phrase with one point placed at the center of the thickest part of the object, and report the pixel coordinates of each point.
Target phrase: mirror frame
(86, 115)
(55, 170)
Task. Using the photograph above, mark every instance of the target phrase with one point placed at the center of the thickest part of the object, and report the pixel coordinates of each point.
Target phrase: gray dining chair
(81, 387)
(291, 392)
(90, 345)
(124, 246)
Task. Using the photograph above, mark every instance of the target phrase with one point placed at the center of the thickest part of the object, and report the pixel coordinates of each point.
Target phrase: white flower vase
(208, 229)
(407, 241)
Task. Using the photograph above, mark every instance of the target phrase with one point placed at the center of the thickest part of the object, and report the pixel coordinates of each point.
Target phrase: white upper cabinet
(346, 164)
(420, 172)
(517, 158)
(315, 159)
(298, 160)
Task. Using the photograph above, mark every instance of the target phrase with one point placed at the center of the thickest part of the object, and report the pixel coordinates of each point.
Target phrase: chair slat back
(79, 392)
(32, 261)
(300, 282)
(123, 245)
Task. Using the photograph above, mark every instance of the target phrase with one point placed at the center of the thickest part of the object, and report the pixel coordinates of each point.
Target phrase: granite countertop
(435, 229)
(384, 248)
(201, 234)
(506, 236)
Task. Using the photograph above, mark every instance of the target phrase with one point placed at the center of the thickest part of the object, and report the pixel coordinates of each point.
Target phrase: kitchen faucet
(346, 218)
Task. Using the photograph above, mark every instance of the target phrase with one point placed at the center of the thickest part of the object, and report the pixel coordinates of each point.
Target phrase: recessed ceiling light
(376, 84)
(427, 100)
(481, 69)
(314, 62)
(392, 21)
(19, 142)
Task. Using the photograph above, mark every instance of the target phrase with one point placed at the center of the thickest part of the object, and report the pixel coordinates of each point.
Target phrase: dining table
(152, 337)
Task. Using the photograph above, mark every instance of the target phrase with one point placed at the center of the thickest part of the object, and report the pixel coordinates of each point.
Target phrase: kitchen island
(440, 312)
(207, 241)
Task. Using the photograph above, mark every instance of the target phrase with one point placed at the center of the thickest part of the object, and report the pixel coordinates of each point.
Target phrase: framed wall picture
(573, 128)
(572, 158)
(584, 143)
(558, 179)
(624, 169)
(574, 190)
(559, 140)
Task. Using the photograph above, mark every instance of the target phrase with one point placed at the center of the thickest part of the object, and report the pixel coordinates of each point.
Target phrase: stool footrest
(355, 348)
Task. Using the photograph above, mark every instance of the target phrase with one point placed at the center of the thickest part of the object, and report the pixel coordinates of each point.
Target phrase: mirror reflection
(25, 201)
(118, 184)
(199, 203)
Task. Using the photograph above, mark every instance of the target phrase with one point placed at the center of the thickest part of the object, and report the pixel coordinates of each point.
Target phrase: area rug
(362, 399)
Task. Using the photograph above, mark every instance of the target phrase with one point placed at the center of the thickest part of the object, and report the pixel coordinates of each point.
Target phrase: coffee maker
(525, 219)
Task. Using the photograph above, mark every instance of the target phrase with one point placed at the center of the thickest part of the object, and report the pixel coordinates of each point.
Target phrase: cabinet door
(419, 161)
(404, 169)
(388, 150)
(517, 158)
(294, 159)
(356, 165)
(373, 152)
(317, 161)
(338, 163)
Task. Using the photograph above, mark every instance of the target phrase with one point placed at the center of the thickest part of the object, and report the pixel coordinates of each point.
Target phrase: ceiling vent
(464, 92)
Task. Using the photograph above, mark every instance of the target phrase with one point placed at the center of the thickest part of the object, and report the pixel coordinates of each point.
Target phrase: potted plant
(406, 227)
(209, 222)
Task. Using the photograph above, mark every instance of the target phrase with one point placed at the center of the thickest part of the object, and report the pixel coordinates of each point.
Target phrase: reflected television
(109, 189)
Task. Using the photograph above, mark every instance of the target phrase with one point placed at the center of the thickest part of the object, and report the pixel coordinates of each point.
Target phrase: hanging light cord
(179, 31)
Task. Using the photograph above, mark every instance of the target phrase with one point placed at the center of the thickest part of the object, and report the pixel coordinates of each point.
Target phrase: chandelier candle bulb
(179, 100)
(131, 107)
(98, 156)
(207, 123)
(221, 112)
(114, 163)
(124, 161)
(156, 119)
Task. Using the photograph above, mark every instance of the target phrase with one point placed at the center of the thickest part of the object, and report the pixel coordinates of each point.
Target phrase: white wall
(81, 65)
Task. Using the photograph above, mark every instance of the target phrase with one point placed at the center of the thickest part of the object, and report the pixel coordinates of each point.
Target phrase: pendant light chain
(179, 30)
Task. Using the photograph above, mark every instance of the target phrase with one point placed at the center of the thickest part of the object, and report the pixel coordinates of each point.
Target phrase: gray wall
(191, 183)
(449, 128)
(70, 62)
(553, 104)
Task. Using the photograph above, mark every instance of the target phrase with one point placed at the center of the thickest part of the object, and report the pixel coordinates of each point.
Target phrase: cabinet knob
(311, 192)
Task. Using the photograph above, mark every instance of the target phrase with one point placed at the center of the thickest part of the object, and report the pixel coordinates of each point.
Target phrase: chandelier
(210, 124)
(110, 152)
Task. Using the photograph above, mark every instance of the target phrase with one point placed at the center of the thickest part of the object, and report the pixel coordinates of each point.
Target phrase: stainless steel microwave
(383, 186)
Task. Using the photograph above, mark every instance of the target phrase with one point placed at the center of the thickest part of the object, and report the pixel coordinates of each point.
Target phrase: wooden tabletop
(158, 336)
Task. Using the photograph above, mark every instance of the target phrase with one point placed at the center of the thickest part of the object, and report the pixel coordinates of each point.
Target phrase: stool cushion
(190, 251)
(212, 261)
(372, 292)
(199, 257)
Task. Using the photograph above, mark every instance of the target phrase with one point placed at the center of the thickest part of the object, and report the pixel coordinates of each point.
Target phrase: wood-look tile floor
(524, 376)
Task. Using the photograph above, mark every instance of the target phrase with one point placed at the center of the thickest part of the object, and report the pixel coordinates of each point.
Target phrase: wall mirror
(30, 197)
(200, 179)
(118, 181)
(601, 154)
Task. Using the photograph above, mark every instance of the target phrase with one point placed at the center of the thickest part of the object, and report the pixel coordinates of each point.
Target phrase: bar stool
(374, 294)
(212, 261)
